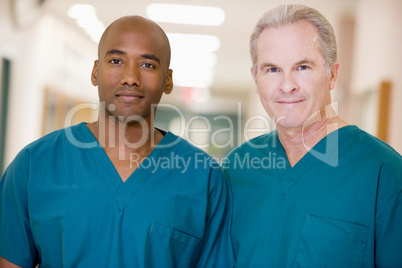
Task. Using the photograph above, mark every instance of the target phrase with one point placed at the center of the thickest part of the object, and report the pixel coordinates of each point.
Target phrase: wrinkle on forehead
(302, 38)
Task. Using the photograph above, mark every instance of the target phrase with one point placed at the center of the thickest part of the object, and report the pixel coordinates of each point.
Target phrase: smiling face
(132, 71)
(290, 74)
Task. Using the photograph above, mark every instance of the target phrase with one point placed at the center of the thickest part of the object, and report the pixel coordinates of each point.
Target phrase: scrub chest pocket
(167, 247)
(328, 242)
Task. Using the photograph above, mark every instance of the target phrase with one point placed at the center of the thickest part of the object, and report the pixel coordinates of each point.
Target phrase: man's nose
(131, 76)
(288, 83)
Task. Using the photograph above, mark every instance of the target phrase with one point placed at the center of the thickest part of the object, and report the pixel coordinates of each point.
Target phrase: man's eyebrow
(151, 57)
(115, 52)
(145, 56)
(269, 65)
(305, 61)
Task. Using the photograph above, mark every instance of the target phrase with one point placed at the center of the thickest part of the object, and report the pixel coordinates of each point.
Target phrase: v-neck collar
(123, 191)
(325, 152)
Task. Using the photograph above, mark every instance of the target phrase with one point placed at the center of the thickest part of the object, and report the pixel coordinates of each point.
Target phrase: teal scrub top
(63, 204)
(339, 206)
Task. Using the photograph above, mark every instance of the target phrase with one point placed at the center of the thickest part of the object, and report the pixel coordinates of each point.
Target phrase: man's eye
(148, 65)
(302, 67)
(115, 61)
(273, 70)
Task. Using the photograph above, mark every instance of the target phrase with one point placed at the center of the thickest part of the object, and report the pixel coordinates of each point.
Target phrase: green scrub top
(339, 206)
(63, 204)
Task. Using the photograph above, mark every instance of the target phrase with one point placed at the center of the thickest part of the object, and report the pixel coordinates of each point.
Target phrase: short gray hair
(294, 13)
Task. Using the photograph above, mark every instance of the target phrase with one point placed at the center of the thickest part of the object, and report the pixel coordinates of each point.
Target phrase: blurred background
(47, 50)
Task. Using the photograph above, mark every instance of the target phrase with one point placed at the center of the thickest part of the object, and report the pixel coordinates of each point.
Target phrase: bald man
(117, 192)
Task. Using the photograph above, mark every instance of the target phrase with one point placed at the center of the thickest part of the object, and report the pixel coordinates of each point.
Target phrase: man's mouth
(290, 101)
(129, 96)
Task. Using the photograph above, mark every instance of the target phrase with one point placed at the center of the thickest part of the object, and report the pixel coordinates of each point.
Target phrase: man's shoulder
(45, 149)
(54, 138)
(361, 140)
(374, 157)
(194, 160)
(50, 144)
(182, 146)
(258, 143)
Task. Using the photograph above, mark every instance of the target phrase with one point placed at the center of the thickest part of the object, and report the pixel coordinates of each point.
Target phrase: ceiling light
(195, 42)
(195, 69)
(85, 15)
(80, 11)
(197, 60)
(185, 14)
(193, 59)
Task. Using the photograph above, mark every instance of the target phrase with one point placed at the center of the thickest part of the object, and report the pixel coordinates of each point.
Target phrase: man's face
(132, 71)
(291, 77)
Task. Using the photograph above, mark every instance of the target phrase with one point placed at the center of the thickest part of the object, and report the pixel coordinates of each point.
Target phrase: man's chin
(131, 119)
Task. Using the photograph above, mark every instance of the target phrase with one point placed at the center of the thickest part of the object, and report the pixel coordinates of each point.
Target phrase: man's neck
(120, 139)
(126, 144)
(298, 141)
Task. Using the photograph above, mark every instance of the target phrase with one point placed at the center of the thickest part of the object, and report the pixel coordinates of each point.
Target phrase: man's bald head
(137, 22)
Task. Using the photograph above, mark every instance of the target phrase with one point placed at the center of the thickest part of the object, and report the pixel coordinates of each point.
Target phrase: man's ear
(94, 75)
(169, 82)
(253, 75)
(334, 74)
